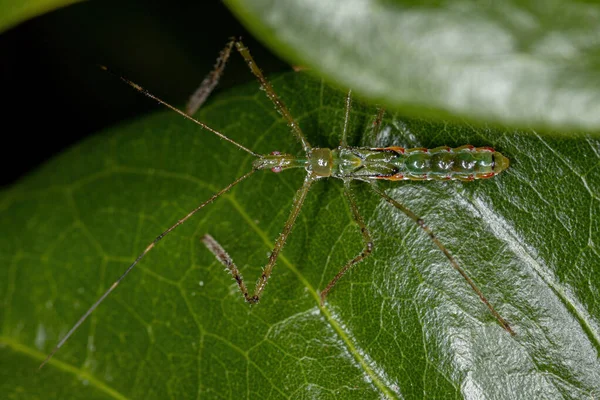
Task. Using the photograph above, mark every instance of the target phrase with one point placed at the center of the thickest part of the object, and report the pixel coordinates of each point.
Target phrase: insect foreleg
(444, 250)
(210, 81)
(226, 260)
(279, 105)
(368, 242)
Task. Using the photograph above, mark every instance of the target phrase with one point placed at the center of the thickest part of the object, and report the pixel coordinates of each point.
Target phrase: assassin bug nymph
(368, 165)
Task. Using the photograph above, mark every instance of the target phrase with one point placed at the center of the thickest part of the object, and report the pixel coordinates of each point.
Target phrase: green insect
(368, 165)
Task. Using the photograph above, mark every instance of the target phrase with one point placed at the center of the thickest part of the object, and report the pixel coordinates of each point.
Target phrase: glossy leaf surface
(523, 63)
(402, 324)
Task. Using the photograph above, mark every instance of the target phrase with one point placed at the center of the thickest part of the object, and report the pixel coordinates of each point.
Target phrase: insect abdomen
(441, 163)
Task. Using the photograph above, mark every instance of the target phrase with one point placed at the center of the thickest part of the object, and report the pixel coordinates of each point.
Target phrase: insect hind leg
(419, 221)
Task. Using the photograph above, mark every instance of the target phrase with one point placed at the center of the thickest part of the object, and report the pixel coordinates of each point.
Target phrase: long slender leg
(226, 260)
(347, 117)
(243, 50)
(377, 122)
(146, 250)
(444, 250)
(210, 81)
(366, 239)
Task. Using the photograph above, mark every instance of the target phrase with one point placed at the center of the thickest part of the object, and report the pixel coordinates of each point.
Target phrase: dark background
(55, 95)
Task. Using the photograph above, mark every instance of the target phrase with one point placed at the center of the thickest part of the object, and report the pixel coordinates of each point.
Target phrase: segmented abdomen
(397, 163)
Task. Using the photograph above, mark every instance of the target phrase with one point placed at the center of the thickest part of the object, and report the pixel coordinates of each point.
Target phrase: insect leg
(377, 122)
(346, 117)
(444, 250)
(243, 50)
(366, 239)
(226, 260)
(210, 81)
(146, 250)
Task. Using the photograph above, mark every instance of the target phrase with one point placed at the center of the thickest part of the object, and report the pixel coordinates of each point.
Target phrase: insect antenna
(169, 230)
(146, 250)
(178, 111)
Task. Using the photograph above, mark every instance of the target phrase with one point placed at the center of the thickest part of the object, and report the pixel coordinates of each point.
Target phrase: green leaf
(13, 12)
(402, 324)
(523, 63)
